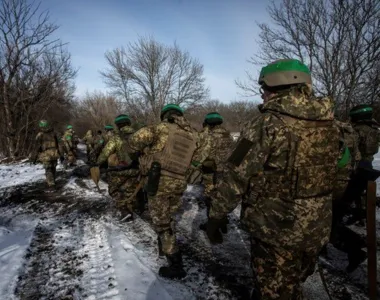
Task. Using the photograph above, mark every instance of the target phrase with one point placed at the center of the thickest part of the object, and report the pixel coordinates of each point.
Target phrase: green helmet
(69, 127)
(361, 112)
(121, 119)
(108, 127)
(43, 124)
(169, 107)
(284, 72)
(213, 118)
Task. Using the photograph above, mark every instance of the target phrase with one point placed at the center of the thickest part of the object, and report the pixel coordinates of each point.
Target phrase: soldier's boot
(175, 269)
(160, 251)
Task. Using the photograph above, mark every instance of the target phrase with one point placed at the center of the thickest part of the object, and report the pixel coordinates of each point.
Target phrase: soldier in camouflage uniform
(88, 139)
(98, 147)
(219, 142)
(170, 143)
(69, 145)
(368, 131)
(369, 138)
(283, 169)
(109, 133)
(122, 172)
(350, 157)
(47, 151)
(342, 237)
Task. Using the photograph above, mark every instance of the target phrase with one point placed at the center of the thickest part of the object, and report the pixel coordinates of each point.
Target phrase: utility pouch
(154, 175)
(241, 150)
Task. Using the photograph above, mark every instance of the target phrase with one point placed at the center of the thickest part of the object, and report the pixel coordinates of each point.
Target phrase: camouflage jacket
(283, 168)
(151, 140)
(68, 140)
(218, 140)
(114, 150)
(88, 139)
(108, 136)
(369, 138)
(47, 146)
(350, 139)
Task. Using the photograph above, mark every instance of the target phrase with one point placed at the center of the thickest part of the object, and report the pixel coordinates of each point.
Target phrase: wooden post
(371, 239)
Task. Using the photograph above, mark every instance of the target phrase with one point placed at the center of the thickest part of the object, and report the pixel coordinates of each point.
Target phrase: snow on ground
(69, 245)
(15, 238)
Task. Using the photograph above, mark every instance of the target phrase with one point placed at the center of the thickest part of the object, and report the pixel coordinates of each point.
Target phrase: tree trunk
(9, 125)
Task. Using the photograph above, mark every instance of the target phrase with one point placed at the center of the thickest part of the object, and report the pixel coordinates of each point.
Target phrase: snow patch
(14, 241)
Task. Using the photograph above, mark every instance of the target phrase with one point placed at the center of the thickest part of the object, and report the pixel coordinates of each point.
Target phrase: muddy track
(70, 255)
(52, 268)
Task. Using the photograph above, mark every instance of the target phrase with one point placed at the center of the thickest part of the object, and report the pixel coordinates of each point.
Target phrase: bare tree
(148, 74)
(35, 72)
(94, 111)
(339, 40)
(235, 114)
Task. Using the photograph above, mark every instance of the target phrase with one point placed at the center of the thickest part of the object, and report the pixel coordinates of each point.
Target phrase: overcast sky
(222, 34)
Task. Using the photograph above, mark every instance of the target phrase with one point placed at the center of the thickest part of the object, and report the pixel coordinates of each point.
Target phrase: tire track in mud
(99, 281)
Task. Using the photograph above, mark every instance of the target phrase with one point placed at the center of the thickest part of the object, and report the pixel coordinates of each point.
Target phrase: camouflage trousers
(50, 169)
(208, 182)
(280, 272)
(122, 187)
(162, 208)
(89, 149)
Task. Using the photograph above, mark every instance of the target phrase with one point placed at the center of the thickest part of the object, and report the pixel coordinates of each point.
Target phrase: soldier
(109, 133)
(69, 145)
(88, 139)
(219, 141)
(98, 147)
(168, 146)
(283, 169)
(342, 237)
(368, 131)
(122, 172)
(47, 151)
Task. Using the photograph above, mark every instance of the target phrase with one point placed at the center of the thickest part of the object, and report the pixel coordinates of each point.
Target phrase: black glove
(61, 159)
(212, 228)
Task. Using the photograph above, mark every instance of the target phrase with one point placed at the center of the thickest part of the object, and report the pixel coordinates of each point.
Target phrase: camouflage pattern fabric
(115, 146)
(284, 177)
(122, 184)
(219, 142)
(369, 138)
(280, 272)
(88, 139)
(50, 171)
(350, 139)
(152, 140)
(97, 149)
(108, 136)
(162, 208)
(69, 146)
(48, 153)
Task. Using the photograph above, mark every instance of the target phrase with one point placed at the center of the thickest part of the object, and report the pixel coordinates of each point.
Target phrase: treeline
(339, 40)
(97, 109)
